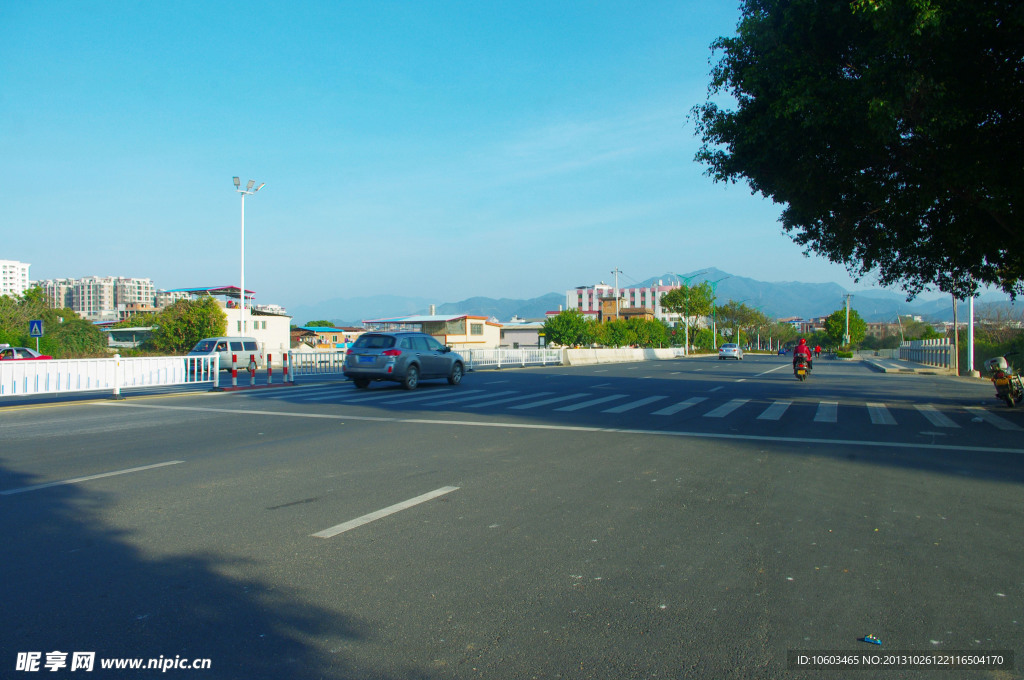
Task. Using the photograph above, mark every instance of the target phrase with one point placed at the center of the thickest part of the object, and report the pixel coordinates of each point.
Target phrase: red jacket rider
(802, 350)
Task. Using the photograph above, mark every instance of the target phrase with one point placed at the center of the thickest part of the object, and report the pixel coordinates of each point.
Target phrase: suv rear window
(374, 342)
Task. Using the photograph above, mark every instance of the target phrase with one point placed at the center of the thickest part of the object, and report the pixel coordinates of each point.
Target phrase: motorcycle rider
(802, 350)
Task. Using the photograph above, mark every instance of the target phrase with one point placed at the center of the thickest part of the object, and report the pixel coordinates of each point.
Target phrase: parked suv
(404, 357)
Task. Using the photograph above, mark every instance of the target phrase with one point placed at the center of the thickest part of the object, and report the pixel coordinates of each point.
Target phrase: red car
(8, 353)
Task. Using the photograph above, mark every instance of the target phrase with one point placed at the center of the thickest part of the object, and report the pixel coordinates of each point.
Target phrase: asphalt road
(674, 519)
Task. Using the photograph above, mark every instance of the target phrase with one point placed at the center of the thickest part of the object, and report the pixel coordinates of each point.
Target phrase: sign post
(35, 330)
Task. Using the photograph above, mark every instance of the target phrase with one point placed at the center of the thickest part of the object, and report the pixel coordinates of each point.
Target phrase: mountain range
(780, 299)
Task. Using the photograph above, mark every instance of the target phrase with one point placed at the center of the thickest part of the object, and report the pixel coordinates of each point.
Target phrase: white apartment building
(13, 277)
(59, 293)
(588, 299)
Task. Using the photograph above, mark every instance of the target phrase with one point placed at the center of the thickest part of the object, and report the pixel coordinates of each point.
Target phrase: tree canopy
(835, 327)
(891, 131)
(186, 322)
(65, 334)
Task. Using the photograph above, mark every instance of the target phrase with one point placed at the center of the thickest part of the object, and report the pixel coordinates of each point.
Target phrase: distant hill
(779, 299)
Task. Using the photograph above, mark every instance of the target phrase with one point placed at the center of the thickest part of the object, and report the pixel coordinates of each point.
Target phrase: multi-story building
(13, 277)
(588, 299)
(101, 298)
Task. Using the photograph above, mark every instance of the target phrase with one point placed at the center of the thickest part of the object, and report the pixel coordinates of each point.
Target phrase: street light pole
(714, 311)
(247, 191)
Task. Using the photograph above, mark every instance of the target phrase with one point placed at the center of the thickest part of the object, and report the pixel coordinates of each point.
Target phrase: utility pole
(686, 312)
(616, 272)
(846, 336)
(955, 363)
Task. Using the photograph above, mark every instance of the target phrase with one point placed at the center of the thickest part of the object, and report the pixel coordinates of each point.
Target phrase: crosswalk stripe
(934, 416)
(301, 393)
(880, 415)
(725, 409)
(775, 411)
(492, 402)
(552, 400)
(423, 397)
(676, 408)
(592, 402)
(632, 405)
(992, 419)
(827, 411)
(385, 394)
(458, 399)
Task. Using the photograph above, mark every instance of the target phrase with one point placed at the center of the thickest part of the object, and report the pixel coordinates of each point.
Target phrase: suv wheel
(455, 377)
(412, 377)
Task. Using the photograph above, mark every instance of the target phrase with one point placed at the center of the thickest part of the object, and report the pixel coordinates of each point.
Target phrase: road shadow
(73, 582)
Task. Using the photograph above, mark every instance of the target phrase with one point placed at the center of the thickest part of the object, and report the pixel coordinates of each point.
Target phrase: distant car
(782, 351)
(404, 357)
(8, 353)
(730, 350)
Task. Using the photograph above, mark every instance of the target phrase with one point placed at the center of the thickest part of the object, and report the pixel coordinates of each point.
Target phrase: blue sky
(436, 149)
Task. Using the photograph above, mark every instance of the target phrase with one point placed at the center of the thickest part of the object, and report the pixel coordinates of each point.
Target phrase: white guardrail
(506, 358)
(22, 378)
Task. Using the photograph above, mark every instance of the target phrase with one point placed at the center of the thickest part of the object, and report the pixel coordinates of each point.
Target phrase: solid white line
(992, 419)
(775, 411)
(676, 408)
(935, 417)
(76, 480)
(592, 402)
(569, 428)
(632, 405)
(827, 412)
(880, 415)
(771, 370)
(552, 400)
(725, 409)
(390, 510)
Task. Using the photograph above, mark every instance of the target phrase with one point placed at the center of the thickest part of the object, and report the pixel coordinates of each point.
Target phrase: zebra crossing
(711, 407)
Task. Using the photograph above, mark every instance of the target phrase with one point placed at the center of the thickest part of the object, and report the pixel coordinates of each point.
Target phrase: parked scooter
(800, 368)
(1008, 384)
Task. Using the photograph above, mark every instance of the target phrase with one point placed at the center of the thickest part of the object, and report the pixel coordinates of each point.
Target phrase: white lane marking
(632, 405)
(603, 370)
(771, 370)
(827, 412)
(496, 382)
(455, 401)
(307, 392)
(497, 424)
(676, 408)
(389, 393)
(425, 397)
(76, 480)
(775, 411)
(592, 402)
(992, 419)
(552, 400)
(390, 510)
(934, 416)
(715, 389)
(491, 402)
(725, 409)
(880, 415)
(742, 380)
(601, 385)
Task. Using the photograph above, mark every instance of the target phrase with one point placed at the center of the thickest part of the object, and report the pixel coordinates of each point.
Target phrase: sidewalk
(887, 365)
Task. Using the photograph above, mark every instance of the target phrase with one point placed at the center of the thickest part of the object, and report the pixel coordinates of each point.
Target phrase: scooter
(1008, 384)
(801, 369)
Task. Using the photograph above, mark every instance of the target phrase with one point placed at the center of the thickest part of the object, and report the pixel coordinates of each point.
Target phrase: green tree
(690, 301)
(890, 130)
(569, 329)
(835, 327)
(186, 322)
(320, 323)
(66, 335)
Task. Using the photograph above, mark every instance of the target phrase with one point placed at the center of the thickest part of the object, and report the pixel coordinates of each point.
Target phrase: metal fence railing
(507, 358)
(315, 363)
(23, 378)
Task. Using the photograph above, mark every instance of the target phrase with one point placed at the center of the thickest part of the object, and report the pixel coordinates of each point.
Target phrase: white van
(242, 348)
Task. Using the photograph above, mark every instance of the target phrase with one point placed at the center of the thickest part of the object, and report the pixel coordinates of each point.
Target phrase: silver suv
(405, 357)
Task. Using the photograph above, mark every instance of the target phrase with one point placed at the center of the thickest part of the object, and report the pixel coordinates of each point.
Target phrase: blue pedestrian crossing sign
(35, 328)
